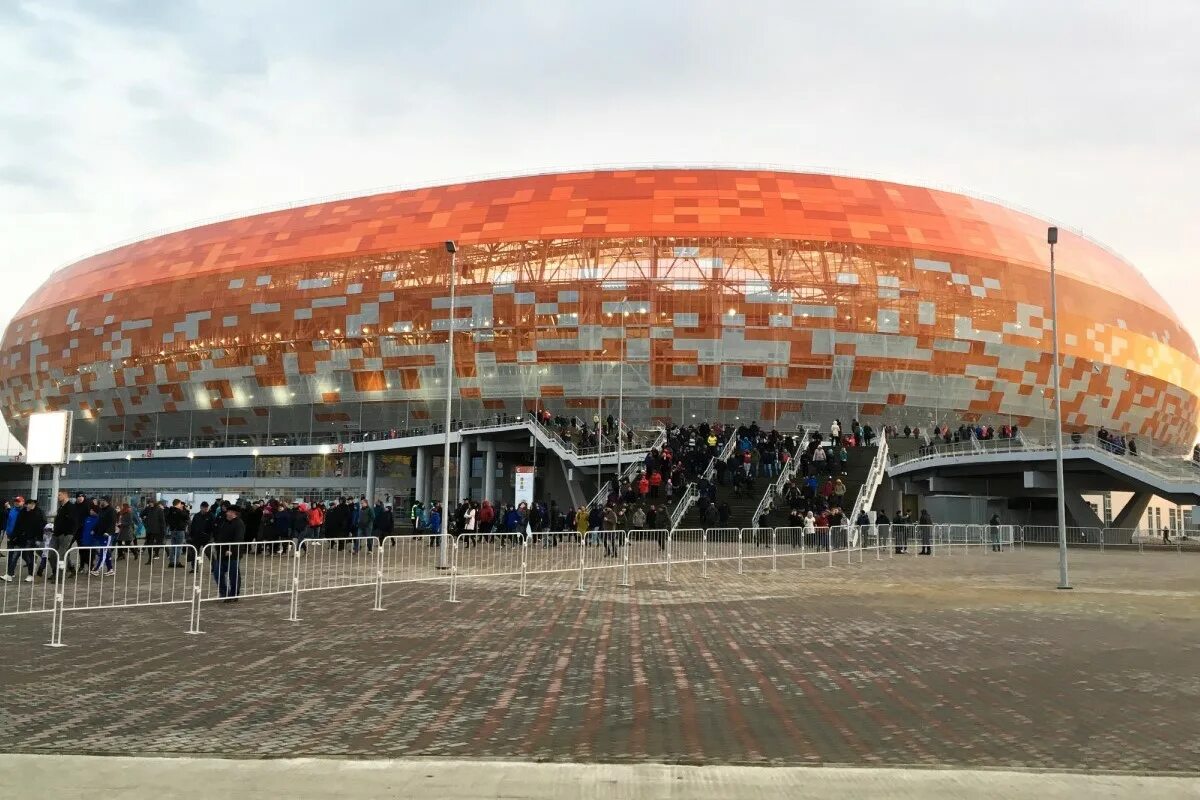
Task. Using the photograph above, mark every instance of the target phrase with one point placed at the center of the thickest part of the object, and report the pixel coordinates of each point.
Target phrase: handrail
(1163, 468)
(774, 489)
(686, 501)
(601, 496)
(692, 493)
(866, 493)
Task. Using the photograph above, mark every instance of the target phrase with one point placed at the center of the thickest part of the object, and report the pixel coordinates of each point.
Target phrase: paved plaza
(973, 661)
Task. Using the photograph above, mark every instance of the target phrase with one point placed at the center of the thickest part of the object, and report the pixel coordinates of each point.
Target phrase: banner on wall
(524, 476)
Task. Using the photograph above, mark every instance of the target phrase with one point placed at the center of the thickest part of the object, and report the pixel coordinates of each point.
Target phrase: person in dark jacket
(156, 529)
(364, 526)
(26, 533)
(994, 532)
(337, 522)
(176, 518)
(384, 523)
(64, 534)
(229, 537)
(81, 510)
(883, 526)
(925, 531)
(281, 526)
(199, 534)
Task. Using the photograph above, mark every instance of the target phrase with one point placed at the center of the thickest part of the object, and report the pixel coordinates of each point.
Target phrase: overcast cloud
(122, 117)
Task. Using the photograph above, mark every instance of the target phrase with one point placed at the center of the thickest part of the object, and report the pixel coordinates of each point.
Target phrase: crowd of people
(1116, 443)
(154, 529)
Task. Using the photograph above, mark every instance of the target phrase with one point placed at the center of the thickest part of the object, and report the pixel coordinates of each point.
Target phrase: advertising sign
(49, 433)
(524, 477)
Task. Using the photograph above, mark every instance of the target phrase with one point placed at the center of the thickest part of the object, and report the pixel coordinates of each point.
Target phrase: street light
(621, 389)
(444, 539)
(1060, 484)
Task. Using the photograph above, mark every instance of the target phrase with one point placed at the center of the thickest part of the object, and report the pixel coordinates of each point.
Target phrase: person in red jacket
(656, 480)
(643, 486)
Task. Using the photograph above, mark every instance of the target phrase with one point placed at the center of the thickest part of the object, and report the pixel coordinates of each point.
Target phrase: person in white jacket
(810, 529)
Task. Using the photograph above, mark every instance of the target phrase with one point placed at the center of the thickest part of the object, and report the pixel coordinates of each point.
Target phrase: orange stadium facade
(704, 294)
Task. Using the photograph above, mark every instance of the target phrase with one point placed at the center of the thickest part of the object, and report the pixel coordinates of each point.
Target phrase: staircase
(858, 466)
(741, 508)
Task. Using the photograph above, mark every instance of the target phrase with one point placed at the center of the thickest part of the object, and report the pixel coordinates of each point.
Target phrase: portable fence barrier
(232, 572)
(409, 558)
(1048, 534)
(123, 576)
(490, 555)
(126, 576)
(556, 553)
(330, 563)
(688, 546)
(722, 544)
(791, 545)
(648, 547)
(758, 544)
(20, 591)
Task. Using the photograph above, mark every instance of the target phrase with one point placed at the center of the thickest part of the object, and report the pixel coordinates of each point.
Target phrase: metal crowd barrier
(19, 595)
(129, 576)
(148, 575)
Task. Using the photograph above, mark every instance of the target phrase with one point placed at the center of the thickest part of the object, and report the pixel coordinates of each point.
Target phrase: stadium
(274, 347)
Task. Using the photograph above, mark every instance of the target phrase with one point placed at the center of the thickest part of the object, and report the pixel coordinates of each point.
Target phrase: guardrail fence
(39, 580)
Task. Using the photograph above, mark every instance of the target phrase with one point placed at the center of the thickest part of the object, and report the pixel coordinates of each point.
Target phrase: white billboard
(49, 435)
(524, 493)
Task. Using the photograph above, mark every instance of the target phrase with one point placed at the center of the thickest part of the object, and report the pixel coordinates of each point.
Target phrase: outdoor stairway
(857, 467)
(741, 508)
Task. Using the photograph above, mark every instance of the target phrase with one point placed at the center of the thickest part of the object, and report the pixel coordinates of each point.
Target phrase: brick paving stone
(971, 661)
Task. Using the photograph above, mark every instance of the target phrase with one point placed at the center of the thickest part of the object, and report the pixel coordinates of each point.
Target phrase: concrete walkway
(65, 777)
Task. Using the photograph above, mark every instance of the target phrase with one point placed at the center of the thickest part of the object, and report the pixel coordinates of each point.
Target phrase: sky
(123, 118)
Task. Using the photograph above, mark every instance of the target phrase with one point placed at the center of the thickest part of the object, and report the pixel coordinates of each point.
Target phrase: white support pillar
(489, 471)
(423, 476)
(37, 476)
(464, 469)
(370, 477)
(54, 470)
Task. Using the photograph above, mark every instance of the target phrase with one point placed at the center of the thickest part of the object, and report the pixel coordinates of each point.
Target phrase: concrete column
(489, 471)
(429, 498)
(1135, 508)
(371, 477)
(1080, 511)
(37, 475)
(53, 504)
(464, 469)
(423, 476)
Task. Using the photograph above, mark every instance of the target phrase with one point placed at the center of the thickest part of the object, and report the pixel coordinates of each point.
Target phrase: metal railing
(692, 493)
(1168, 469)
(601, 496)
(775, 488)
(130, 576)
(866, 493)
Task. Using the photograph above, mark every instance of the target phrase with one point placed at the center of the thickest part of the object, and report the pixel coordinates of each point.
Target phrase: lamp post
(621, 401)
(444, 539)
(600, 425)
(1060, 484)
(624, 311)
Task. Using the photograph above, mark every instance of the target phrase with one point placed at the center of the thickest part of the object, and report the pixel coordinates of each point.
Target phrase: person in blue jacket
(10, 520)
